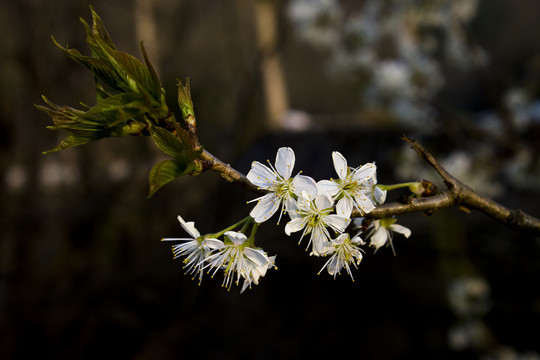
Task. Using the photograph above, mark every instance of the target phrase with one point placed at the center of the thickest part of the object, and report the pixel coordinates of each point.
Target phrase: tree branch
(462, 195)
(425, 204)
(229, 173)
(457, 194)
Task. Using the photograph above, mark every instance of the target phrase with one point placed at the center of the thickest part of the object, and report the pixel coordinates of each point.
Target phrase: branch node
(515, 217)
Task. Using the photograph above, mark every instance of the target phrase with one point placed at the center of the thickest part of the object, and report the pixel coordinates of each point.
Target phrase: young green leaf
(114, 116)
(153, 74)
(98, 29)
(102, 70)
(166, 141)
(168, 170)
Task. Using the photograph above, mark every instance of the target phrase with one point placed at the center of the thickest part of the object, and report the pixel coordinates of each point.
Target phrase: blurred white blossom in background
(392, 47)
(317, 21)
(54, 173)
(468, 298)
(16, 177)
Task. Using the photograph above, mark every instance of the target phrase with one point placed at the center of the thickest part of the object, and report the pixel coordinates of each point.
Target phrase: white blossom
(317, 20)
(196, 248)
(381, 232)
(314, 216)
(238, 260)
(351, 188)
(345, 251)
(282, 188)
(255, 271)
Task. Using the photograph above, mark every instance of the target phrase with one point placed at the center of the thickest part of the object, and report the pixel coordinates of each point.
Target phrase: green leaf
(97, 37)
(101, 92)
(166, 171)
(113, 116)
(185, 162)
(128, 92)
(127, 72)
(136, 74)
(166, 141)
(101, 69)
(152, 71)
(98, 29)
(116, 109)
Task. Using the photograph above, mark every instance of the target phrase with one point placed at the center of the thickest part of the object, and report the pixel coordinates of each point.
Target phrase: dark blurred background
(83, 273)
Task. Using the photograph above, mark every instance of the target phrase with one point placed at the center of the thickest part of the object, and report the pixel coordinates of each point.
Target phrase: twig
(459, 194)
(425, 204)
(229, 173)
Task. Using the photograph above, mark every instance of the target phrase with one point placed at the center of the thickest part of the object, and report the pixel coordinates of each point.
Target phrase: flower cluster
(235, 255)
(322, 210)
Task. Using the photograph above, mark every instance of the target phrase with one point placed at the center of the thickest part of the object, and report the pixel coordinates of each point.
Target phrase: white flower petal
(245, 285)
(291, 206)
(295, 225)
(258, 256)
(265, 208)
(333, 266)
(236, 237)
(340, 239)
(379, 238)
(213, 244)
(272, 260)
(379, 195)
(344, 207)
(364, 173)
(337, 222)
(189, 227)
(256, 273)
(328, 187)
(340, 164)
(363, 202)
(401, 229)
(357, 240)
(323, 201)
(177, 239)
(304, 183)
(285, 161)
(304, 202)
(320, 245)
(261, 175)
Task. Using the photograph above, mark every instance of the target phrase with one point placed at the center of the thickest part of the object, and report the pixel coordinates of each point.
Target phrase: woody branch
(456, 194)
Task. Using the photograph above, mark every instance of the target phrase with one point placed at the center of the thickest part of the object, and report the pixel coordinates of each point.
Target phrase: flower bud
(423, 188)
